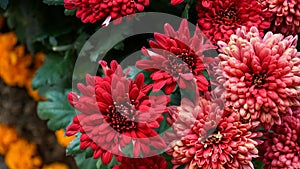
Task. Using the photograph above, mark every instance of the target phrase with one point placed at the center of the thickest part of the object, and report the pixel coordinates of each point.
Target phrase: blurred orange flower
(14, 65)
(17, 67)
(8, 136)
(62, 139)
(56, 166)
(23, 155)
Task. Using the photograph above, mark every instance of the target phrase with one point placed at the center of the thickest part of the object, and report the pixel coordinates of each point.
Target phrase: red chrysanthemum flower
(176, 2)
(262, 74)
(218, 19)
(286, 15)
(94, 10)
(116, 112)
(217, 138)
(155, 162)
(176, 58)
(282, 146)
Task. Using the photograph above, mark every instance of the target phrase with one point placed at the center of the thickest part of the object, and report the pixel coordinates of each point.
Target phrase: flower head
(262, 74)
(15, 62)
(18, 66)
(116, 112)
(92, 11)
(218, 19)
(286, 15)
(282, 147)
(176, 58)
(217, 138)
(8, 136)
(23, 154)
(155, 162)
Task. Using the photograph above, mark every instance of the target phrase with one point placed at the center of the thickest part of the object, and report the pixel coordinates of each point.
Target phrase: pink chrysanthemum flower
(115, 112)
(94, 10)
(218, 19)
(286, 15)
(155, 162)
(217, 138)
(217, 78)
(282, 146)
(262, 74)
(176, 59)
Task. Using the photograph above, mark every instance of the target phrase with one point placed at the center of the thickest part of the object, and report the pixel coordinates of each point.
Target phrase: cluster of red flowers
(94, 10)
(248, 109)
(260, 77)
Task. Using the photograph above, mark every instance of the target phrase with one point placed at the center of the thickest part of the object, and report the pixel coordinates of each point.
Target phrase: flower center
(213, 138)
(258, 80)
(121, 117)
(227, 16)
(175, 65)
(188, 58)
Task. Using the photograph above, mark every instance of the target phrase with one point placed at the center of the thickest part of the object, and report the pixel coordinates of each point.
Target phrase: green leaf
(175, 97)
(113, 162)
(53, 41)
(165, 6)
(34, 21)
(70, 12)
(100, 48)
(258, 164)
(74, 147)
(54, 2)
(128, 150)
(168, 159)
(133, 71)
(4, 4)
(80, 41)
(120, 46)
(85, 163)
(55, 70)
(56, 109)
(21, 17)
(185, 13)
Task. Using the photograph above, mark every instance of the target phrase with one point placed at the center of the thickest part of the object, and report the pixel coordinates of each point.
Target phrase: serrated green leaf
(85, 163)
(54, 2)
(54, 70)
(74, 147)
(4, 4)
(56, 109)
(32, 20)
